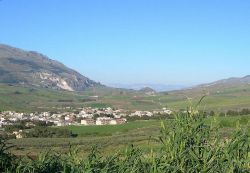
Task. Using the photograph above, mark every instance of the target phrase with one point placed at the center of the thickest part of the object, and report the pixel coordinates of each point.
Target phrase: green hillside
(21, 98)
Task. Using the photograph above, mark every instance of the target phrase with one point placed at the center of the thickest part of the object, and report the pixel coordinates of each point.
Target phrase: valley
(45, 106)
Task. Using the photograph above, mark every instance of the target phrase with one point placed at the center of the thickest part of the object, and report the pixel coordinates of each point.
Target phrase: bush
(244, 112)
(232, 113)
(6, 159)
(47, 132)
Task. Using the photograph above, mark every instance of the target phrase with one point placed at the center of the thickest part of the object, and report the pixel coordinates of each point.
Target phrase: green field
(109, 138)
(105, 137)
(109, 130)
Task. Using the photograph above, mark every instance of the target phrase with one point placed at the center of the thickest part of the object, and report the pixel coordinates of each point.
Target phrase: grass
(108, 130)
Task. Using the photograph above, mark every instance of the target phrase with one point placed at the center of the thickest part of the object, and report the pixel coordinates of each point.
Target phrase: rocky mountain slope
(31, 68)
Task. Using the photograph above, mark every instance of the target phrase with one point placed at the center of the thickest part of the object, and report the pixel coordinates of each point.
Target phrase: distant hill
(234, 85)
(31, 68)
(230, 82)
(220, 85)
(147, 90)
(156, 87)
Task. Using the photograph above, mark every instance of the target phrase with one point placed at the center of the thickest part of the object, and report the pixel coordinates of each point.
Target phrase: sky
(175, 42)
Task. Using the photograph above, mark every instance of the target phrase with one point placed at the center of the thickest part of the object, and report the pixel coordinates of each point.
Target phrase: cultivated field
(109, 138)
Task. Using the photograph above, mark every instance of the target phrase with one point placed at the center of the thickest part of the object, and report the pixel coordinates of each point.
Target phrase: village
(80, 116)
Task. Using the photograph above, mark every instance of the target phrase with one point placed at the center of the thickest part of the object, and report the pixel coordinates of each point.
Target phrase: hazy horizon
(135, 42)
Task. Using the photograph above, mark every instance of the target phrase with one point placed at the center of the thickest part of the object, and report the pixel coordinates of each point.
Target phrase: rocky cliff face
(31, 68)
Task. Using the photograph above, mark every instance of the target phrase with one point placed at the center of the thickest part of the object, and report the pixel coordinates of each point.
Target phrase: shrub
(47, 132)
(6, 159)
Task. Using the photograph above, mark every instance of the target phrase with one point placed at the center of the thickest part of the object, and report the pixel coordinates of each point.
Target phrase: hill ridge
(18, 66)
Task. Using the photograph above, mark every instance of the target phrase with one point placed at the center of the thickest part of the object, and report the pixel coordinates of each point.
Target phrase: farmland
(109, 130)
(105, 137)
(120, 136)
(115, 152)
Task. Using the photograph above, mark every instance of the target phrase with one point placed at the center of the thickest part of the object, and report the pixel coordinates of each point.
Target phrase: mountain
(230, 82)
(34, 69)
(234, 85)
(147, 89)
(220, 85)
(156, 87)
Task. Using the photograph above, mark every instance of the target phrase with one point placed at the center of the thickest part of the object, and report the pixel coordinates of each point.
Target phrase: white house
(113, 122)
(103, 120)
(88, 121)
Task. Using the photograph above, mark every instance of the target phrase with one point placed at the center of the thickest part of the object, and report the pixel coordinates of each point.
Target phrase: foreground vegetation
(187, 144)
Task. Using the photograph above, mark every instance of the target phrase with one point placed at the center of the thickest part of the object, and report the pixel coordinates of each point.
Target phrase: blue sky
(135, 41)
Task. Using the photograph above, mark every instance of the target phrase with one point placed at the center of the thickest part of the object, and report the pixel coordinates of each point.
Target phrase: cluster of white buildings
(164, 111)
(103, 121)
(81, 116)
(141, 114)
(98, 116)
